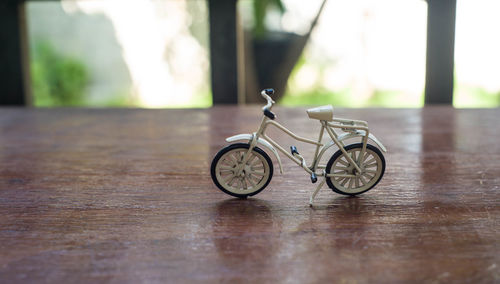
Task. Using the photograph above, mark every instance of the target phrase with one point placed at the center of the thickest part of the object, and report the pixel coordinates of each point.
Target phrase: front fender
(260, 141)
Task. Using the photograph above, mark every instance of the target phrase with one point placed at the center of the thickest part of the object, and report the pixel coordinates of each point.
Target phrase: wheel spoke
(232, 159)
(226, 161)
(367, 155)
(231, 181)
(252, 184)
(345, 181)
(240, 156)
(239, 185)
(256, 168)
(228, 178)
(356, 181)
(227, 168)
(256, 179)
(343, 163)
(362, 180)
(258, 173)
(257, 163)
(370, 171)
(370, 161)
(340, 168)
(353, 155)
(350, 183)
(369, 176)
(371, 165)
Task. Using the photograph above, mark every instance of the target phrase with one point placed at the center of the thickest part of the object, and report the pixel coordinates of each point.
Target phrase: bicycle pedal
(294, 151)
(314, 178)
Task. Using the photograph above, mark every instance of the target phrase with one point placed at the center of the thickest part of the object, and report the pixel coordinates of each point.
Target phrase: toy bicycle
(244, 169)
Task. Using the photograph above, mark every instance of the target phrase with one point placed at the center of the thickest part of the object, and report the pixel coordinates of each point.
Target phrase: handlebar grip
(269, 92)
(269, 114)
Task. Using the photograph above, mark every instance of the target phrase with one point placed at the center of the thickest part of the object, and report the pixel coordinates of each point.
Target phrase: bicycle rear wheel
(372, 167)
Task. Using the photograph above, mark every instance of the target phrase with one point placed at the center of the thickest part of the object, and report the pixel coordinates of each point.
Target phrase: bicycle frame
(320, 148)
(354, 128)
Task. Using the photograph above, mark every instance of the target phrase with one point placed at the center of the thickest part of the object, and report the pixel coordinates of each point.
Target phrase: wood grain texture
(125, 196)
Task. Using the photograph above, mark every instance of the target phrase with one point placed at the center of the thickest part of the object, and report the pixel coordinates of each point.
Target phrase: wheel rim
(253, 177)
(371, 170)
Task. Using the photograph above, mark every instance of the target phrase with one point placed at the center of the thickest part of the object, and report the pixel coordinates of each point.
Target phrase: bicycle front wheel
(255, 175)
(372, 169)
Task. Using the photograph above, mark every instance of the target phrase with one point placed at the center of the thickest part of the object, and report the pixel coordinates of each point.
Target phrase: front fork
(253, 142)
(245, 157)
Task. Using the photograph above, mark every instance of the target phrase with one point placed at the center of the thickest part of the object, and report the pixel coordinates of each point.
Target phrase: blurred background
(349, 53)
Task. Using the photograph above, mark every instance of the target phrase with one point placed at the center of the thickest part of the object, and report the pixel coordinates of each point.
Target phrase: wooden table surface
(125, 196)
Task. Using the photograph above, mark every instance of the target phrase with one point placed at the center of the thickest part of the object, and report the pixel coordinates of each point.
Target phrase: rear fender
(361, 133)
(345, 136)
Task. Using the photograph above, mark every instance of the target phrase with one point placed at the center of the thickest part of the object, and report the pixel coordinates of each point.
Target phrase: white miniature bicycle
(243, 169)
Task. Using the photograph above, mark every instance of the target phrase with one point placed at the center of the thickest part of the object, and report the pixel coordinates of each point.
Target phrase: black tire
(336, 185)
(216, 171)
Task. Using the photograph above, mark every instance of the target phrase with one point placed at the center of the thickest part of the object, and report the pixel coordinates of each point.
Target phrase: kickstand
(311, 200)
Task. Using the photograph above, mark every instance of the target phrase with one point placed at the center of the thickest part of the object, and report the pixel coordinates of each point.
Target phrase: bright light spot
(366, 45)
(165, 62)
(308, 77)
(477, 44)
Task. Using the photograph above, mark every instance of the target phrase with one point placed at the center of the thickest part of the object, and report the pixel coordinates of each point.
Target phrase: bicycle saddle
(321, 113)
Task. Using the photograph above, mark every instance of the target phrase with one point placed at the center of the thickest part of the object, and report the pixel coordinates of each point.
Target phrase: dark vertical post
(223, 52)
(440, 51)
(11, 53)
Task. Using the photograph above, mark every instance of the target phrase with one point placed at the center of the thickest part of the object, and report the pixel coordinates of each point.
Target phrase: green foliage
(260, 8)
(316, 96)
(57, 80)
(392, 98)
(466, 96)
(202, 99)
(344, 98)
(119, 99)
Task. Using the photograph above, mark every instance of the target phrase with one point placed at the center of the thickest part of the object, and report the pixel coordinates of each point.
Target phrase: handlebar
(266, 95)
